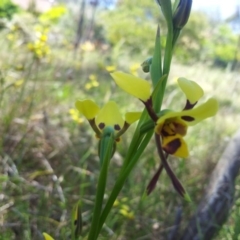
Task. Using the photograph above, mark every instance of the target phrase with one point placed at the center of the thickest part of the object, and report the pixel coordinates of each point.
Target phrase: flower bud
(181, 14)
(146, 65)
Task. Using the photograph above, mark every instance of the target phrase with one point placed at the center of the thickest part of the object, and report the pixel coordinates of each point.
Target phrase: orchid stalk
(168, 126)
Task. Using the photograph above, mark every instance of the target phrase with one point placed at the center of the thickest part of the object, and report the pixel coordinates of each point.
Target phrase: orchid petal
(133, 85)
(192, 116)
(191, 89)
(109, 115)
(132, 117)
(88, 108)
(175, 145)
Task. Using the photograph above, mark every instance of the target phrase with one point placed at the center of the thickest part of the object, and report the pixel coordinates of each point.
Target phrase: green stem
(106, 146)
(136, 140)
(168, 52)
(176, 183)
(121, 180)
(167, 59)
(176, 33)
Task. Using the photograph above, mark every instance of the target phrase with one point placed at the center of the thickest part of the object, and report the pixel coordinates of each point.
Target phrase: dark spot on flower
(189, 105)
(166, 134)
(188, 118)
(172, 146)
(180, 129)
(168, 129)
(101, 125)
(117, 127)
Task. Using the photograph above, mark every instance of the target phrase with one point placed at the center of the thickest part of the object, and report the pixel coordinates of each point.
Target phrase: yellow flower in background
(11, 37)
(126, 213)
(116, 203)
(111, 68)
(108, 116)
(172, 126)
(133, 69)
(53, 14)
(40, 47)
(75, 115)
(47, 237)
(124, 209)
(19, 83)
(93, 82)
(40, 50)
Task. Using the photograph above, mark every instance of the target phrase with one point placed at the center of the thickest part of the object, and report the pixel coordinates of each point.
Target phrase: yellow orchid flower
(172, 126)
(47, 237)
(108, 116)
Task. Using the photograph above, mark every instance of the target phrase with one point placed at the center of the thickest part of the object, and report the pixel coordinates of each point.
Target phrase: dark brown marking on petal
(117, 127)
(168, 129)
(101, 125)
(172, 146)
(180, 129)
(188, 118)
(189, 105)
(166, 134)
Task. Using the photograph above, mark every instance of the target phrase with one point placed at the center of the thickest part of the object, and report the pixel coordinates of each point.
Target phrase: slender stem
(168, 50)
(94, 127)
(136, 140)
(106, 147)
(121, 180)
(167, 57)
(176, 183)
(123, 130)
(149, 106)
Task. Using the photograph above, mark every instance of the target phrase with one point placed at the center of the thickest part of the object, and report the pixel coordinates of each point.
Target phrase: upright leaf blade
(76, 221)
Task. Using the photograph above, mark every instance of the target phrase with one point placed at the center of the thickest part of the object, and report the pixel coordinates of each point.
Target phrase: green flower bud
(181, 15)
(146, 65)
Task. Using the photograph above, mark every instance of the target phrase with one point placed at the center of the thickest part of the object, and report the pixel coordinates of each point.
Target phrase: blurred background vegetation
(52, 55)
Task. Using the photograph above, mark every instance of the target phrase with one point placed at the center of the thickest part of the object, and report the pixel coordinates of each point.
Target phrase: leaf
(76, 221)
(156, 65)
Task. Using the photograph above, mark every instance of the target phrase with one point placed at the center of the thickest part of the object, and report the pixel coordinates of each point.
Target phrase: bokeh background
(55, 52)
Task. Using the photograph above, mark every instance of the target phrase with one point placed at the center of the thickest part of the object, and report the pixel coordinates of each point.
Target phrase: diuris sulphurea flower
(171, 125)
(108, 116)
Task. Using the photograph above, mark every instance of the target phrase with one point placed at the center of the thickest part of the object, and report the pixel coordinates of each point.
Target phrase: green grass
(49, 162)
